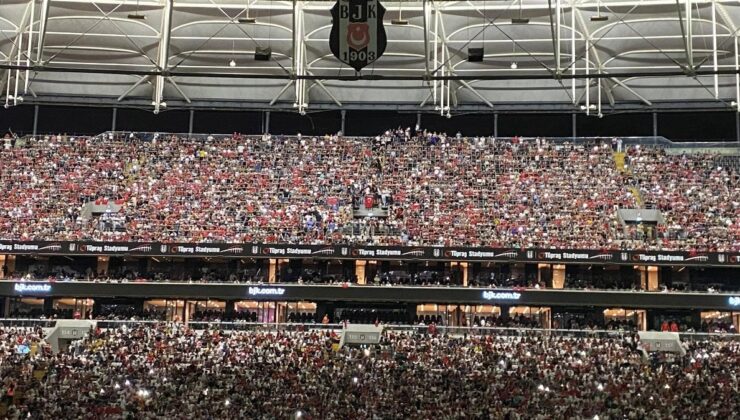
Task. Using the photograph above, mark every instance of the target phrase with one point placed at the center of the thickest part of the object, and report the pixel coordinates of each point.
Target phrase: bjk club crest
(357, 34)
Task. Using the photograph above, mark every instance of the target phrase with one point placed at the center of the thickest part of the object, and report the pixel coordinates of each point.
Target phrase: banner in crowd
(356, 252)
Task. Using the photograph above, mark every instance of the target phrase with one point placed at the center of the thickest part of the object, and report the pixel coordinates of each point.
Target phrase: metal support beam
(655, 124)
(445, 67)
(267, 121)
(686, 33)
(558, 17)
(15, 51)
(179, 90)
(573, 50)
(426, 36)
(630, 90)
(495, 124)
(299, 57)
(321, 85)
(573, 125)
(285, 88)
(428, 97)
(43, 18)
(133, 87)
(114, 119)
(714, 49)
(689, 35)
(609, 93)
(476, 93)
(344, 120)
(720, 8)
(35, 119)
(435, 58)
(737, 79)
(29, 42)
(597, 60)
(588, 80)
(163, 55)
(191, 121)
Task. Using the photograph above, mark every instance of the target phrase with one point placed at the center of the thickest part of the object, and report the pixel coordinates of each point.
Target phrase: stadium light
(136, 15)
(247, 18)
(475, 55)
(599, 17)
(262, 54)
(400, 20)
(520, 20)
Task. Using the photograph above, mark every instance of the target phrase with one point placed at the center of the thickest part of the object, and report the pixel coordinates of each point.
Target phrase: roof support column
(191, 121)
(557, 38)
(29, 42)
(737, 79)
(15, 51)
(35, 119)
(573, 50)
(731, 23)
(299, 60)
(163, 55)
(714, 49)
(43, 18)
(689, 36)
(655, 124)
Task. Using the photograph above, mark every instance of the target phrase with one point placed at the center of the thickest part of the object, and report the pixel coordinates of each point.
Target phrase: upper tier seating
(438, 190)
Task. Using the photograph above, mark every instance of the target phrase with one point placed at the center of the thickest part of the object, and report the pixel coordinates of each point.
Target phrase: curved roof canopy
(585, 55)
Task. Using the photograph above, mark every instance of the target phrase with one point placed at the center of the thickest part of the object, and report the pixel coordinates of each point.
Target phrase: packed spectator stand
(698, 195)
(169, 371)
(436, 190)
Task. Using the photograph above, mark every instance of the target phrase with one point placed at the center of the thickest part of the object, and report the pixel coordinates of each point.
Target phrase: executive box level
(373, 294)
(728, 259)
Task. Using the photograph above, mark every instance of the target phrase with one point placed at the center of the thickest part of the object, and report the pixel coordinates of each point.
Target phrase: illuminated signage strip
(266, 291)
(32, 287)
(734, 300)
(489, 295)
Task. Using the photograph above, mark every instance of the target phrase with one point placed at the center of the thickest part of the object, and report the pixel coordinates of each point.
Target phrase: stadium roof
(651, 54)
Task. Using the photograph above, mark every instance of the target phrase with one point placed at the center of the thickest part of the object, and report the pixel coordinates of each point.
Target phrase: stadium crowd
(167, 371)
(699, 198)
(436, 190)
